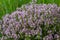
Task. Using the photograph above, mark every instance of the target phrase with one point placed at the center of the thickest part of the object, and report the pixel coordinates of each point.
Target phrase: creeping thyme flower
(48, 37)
(28, 20)
(52, 37)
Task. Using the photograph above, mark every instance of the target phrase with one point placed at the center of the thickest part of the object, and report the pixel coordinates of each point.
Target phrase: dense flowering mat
(32, 22)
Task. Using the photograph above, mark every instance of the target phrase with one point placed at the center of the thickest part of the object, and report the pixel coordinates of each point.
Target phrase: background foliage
(8, 6)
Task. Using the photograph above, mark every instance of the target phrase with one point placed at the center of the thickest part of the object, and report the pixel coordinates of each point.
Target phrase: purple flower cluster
(50, 37)
(28, 20)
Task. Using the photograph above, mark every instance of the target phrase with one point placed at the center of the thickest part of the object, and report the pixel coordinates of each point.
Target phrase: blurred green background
(8, 6)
